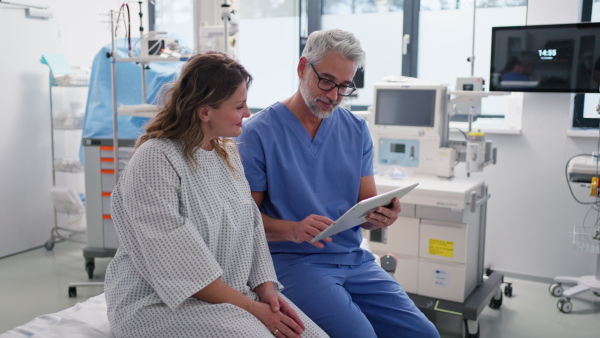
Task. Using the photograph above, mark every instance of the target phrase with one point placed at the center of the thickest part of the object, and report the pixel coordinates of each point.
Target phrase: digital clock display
(547, 54)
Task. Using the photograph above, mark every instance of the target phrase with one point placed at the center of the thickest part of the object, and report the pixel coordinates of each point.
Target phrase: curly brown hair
(206, 79)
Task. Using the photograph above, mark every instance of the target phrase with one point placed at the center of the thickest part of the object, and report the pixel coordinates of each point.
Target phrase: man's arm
(382, 216)
(279, 230)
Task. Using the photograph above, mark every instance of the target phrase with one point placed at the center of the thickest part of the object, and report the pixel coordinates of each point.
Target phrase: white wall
(531, 212)
(77, 30)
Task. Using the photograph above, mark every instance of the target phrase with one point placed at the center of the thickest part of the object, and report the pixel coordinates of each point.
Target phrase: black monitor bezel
(433, 112)
(589, 25)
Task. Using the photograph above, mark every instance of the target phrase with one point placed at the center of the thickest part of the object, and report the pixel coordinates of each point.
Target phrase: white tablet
(356, 215)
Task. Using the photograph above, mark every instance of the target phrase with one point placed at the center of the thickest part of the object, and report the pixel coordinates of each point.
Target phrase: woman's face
(226, 121)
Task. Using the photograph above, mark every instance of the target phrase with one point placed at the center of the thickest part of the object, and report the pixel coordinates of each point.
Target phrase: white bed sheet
(83, 320)
(87, 319)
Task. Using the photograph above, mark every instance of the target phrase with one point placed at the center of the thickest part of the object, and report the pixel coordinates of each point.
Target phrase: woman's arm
(218, 292)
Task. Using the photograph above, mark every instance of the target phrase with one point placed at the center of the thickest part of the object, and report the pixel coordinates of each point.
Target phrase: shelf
(67, 165)
(470, 93)
(139, 110)
(146, 59)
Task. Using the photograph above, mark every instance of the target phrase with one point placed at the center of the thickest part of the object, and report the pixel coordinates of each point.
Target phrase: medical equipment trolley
(438, 241)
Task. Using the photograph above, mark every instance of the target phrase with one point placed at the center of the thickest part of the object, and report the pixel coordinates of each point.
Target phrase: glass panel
(176, 18)
(380, 34)
(485, 19)
(340, 7)
(437, 5)
(500, 3)
(434, 5)
(268, 48)
(268, 8)
(446, 41)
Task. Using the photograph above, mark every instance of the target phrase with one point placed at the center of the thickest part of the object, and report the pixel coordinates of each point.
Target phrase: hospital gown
(180, 227)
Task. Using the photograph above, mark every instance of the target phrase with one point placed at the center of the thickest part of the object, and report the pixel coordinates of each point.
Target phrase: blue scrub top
(302, 176)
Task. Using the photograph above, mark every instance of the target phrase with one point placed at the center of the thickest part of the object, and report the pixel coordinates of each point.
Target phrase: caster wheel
(72, 292)
(496, 303)
(466, 333)
(564, 305)
(89, 267)
(556, 290)
(508, 290)
(488, 271)
(49, 245)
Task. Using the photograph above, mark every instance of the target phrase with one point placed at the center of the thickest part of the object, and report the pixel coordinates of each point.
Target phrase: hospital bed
(86, 319)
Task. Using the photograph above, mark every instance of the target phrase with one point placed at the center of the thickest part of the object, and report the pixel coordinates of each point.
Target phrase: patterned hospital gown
(180, 227)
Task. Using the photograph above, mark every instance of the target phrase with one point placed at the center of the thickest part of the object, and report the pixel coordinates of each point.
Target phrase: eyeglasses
(328, 85)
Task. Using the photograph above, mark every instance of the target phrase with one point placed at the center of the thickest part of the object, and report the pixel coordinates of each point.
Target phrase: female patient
(193, 259)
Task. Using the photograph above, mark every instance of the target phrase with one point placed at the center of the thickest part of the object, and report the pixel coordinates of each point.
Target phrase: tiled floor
(36, 282)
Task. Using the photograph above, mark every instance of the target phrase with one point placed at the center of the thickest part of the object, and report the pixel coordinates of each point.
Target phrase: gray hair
(344, 43)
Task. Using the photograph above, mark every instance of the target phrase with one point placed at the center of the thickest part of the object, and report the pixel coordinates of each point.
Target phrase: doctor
(308, 161)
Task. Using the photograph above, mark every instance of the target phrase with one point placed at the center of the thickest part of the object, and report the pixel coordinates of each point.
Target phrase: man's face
(334, 68)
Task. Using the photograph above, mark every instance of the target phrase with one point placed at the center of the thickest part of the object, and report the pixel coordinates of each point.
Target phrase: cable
(462, 132)
(126, 24)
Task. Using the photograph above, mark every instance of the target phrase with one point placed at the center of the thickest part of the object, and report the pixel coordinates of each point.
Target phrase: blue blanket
(98, 120)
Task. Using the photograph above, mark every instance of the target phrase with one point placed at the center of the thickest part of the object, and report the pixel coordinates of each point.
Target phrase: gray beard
(311, 102)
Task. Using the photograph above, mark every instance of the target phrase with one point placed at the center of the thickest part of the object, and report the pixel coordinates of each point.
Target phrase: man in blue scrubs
(308, 161)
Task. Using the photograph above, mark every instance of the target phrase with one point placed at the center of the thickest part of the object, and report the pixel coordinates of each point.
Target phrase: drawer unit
(110, 234)
(407, 272)
(400, 237)
(436, 239)
(444, 280)
(100, 181)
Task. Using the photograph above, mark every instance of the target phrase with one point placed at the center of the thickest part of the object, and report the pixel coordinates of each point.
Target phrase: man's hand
(383, 216)
(309, 228)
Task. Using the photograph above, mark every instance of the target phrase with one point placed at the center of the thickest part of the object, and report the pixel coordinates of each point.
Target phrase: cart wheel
(72, 292)
(508, 290)
(89, 267)
(496, 303)
(556, 289)
(466, 333)
(49, 245)
(564, 305)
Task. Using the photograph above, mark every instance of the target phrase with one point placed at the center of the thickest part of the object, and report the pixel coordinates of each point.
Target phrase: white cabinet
(436, 239)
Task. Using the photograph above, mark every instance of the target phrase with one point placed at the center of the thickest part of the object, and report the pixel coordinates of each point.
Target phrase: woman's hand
(287, 322)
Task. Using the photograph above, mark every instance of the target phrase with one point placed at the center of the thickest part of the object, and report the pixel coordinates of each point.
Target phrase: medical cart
(438, 241)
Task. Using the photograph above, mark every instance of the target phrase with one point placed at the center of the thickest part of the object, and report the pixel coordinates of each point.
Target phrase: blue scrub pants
(354, 301)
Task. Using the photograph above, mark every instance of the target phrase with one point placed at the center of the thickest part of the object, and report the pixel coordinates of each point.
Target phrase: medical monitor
(409, 124)
(415, 108)
(546, 58)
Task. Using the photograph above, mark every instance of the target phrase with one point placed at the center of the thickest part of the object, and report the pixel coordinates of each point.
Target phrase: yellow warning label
(438, 247)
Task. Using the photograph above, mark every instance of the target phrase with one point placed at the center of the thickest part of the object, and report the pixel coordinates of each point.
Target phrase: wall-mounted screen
(546, 58)
(404, 107)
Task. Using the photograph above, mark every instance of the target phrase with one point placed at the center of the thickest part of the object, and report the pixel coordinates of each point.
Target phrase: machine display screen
(398, 148)
(546, 58)
(405, 107)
